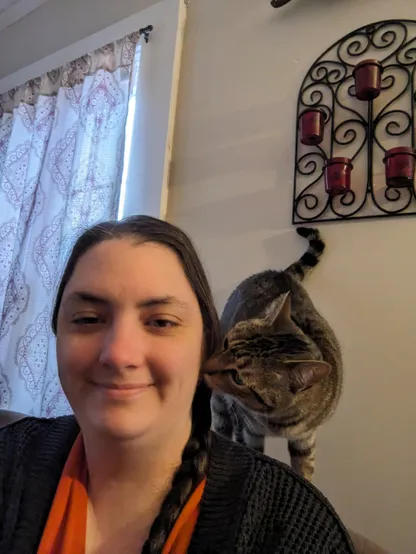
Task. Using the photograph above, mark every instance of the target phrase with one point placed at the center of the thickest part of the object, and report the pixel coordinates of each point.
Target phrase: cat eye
(236, 378)
(225, 344)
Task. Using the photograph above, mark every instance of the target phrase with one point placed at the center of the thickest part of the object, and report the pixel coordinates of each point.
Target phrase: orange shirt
(65, 529)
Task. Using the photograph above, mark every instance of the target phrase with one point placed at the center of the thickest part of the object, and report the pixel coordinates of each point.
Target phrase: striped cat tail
(311, 257)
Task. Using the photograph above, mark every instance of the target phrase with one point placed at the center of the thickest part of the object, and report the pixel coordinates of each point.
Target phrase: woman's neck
(144, 462)
(128, 482)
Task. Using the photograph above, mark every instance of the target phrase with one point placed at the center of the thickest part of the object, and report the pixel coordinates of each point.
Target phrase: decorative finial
(145, 31)
(279, 3)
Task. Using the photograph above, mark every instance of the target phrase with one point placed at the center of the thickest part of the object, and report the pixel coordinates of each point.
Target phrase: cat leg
(302, 455)
(222, 421)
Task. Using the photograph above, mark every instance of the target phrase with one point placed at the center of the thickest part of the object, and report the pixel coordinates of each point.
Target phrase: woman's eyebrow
(162, 300)
(96, 299)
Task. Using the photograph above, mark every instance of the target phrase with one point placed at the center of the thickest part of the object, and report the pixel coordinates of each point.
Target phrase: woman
(137, 469)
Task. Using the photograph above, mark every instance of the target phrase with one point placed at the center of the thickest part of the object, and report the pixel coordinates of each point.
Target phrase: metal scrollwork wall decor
(355, 139)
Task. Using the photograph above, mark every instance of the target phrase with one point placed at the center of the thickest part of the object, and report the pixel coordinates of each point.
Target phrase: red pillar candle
(400, 166)
(311, 126)
(367, 76)
(337, 173)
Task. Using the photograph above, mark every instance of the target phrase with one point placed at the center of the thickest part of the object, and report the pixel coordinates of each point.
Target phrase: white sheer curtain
(62, 140)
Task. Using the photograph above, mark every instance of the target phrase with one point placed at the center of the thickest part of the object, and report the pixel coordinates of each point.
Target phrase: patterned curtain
(61, 160)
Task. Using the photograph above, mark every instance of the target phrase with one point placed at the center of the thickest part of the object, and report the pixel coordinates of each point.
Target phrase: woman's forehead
(122, 267)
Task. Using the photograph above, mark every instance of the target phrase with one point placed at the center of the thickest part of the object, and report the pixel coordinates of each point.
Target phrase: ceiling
(13, 10)
(5, 4)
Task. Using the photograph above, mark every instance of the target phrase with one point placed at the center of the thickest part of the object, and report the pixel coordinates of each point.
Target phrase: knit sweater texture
(252, 504)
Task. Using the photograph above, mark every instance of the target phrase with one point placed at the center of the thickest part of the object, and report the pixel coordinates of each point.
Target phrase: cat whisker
(249, 423)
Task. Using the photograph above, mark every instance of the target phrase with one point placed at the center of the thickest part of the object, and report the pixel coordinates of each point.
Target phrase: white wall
(231, 189)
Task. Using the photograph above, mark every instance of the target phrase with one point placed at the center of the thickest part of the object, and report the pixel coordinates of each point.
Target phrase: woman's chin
(120, 414)
(122, 422)
(121, 427)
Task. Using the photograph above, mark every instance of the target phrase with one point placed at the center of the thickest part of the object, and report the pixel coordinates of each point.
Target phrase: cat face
(267, 364)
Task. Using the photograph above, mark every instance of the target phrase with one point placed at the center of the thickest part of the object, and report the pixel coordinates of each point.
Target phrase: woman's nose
(123, 346)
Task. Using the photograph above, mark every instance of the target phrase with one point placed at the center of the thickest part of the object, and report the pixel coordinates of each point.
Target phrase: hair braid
(192, 469)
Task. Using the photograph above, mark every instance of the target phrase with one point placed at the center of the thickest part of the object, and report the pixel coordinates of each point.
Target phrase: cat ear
(278, 313)
(308, 373)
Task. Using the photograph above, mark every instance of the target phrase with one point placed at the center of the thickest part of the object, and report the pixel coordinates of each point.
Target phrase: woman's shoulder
(258, 491)
(20, 437)
(33, 452)
(250, 464)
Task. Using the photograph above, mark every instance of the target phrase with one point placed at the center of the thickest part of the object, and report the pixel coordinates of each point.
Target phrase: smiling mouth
(120, 392)
(114, 386)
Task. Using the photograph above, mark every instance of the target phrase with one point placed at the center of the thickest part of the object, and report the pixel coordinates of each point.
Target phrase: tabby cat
(279, 371)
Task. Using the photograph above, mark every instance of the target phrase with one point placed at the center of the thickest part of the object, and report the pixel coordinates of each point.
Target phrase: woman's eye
(86, 320)
(162, 323)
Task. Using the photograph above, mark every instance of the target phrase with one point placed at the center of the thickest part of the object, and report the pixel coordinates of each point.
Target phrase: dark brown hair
(195, 455)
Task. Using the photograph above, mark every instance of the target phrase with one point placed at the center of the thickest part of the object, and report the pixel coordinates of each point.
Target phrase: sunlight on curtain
(131, 118)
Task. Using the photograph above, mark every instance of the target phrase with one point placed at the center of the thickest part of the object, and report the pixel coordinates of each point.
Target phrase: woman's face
(129, 340)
